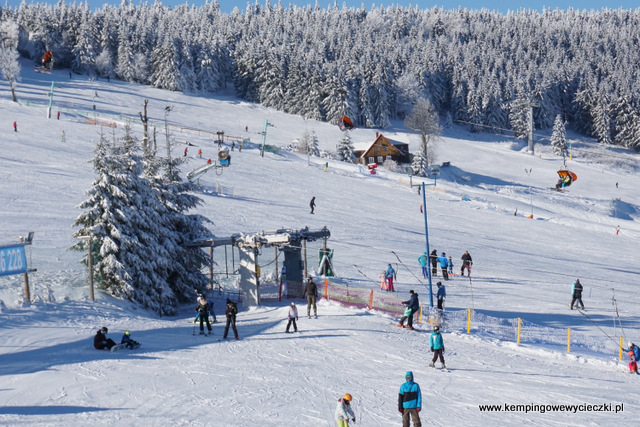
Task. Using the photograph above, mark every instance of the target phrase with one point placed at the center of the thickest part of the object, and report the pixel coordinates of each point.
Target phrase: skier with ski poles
(203, 312)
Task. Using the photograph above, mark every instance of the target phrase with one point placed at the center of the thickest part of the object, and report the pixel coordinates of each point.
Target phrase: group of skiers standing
(445, 262)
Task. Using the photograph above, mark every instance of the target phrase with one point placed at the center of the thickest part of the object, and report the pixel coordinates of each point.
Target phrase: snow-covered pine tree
(345, 149)
(559, 138)
(9, 65)
(420, 165)
(518, 113)
(312, 144)
(125, 220)
(183, 271)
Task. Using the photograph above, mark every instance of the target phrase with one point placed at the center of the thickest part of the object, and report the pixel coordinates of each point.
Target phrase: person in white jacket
(344, 413)
(293, 316)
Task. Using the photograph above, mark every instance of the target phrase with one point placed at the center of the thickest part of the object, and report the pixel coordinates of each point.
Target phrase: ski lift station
(293, 243)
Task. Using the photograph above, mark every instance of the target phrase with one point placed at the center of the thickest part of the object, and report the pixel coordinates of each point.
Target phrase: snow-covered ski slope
(522, 268)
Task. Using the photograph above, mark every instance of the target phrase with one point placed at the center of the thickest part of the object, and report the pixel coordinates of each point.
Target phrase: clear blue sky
(501, 6)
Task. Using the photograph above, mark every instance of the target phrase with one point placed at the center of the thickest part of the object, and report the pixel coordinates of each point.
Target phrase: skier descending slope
(344, 413)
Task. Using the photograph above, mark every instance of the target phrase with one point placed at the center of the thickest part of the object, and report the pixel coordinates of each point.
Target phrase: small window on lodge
(380, 159)
(372, 159)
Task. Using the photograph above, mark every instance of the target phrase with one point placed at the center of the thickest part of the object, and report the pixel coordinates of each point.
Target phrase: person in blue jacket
(437, 346)
(389, 275)
(424, 264)
(130, 343)
(441, 295)
(412, 303)
(410, 401)
(444, 265)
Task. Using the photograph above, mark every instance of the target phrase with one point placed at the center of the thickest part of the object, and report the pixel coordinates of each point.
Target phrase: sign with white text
(13, 260)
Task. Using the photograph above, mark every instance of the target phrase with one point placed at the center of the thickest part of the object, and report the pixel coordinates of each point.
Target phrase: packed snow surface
(523, 267)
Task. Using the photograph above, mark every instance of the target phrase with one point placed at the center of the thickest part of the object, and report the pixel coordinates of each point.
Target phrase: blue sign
(13, 260)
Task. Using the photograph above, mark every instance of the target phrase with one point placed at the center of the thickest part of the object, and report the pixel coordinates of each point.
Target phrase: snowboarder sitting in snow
(126, 339)
(100, 341)
(634, 356)
(203, 312)
(410, 401)
(344, 413)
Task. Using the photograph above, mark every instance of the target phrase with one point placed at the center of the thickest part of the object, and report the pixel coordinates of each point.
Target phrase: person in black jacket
(230, 312)
(203, 313)
(414, 304)
(311, 292)
(467, 262)
(434, 262)
(100, 341)
(576, 293)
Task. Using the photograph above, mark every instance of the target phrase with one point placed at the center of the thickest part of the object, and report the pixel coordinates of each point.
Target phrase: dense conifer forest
(478, 68)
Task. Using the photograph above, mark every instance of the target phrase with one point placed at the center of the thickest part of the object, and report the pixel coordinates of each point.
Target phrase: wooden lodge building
(380, 150)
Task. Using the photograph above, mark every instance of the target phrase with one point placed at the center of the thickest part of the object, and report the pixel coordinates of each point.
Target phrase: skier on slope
(389, 275)
(410, 401)
(450, 266)
(293, 316)
(444, 263)
(634, 355)
(100, 341)
(413, 304)
(441, 295)
(467, 262)
(424, 263)
(231, 312)
(437, 346)
(576, 293)
(311, 292)
(203, 313)
(434, 262)
(130, 343)
(344, 413)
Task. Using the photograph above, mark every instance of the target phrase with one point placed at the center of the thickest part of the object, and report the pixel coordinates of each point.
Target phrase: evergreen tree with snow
(141, 232)
(9, 65)
(420, 165)
(345, 149)
(559, 138)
